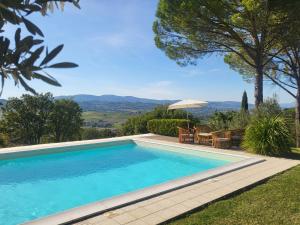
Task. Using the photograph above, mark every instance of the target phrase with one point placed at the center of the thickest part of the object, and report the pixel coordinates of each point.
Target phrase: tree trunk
(297, 116)
(258, 91)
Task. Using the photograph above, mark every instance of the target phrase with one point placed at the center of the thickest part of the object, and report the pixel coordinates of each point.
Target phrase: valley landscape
(111, 111)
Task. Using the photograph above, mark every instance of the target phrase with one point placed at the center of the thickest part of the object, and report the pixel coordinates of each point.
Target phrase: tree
(286, 72)
(247, 29)
(65, 120)
(244, 105)
(33, 119)
(25, 119)
(19, 58)
(222, 120)
(284, 69)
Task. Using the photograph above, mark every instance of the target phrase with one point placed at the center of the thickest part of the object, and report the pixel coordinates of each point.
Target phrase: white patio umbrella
(188, 104)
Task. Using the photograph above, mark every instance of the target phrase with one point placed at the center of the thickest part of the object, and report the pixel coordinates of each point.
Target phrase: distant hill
(114, 103)
(2, 102)
(131, 104)
(114, 98)
(287, 105)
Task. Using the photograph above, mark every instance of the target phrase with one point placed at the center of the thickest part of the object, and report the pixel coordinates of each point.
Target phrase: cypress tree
(244, 105)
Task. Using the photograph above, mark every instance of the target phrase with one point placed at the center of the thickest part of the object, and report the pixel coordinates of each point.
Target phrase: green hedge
(167, 127)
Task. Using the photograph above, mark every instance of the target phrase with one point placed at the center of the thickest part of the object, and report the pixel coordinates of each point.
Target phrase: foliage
(267, 136)
(222, 120)
(65, 120)
(94, 133)
(102, 119)
(38, 119)
(244, 105)
(25, 119)
(289, 117)
(240, 120)
(3, 140)
(135, 125)
(269, 108)
(138, 124)
(229, 120)
(268, 132)
(187, 30)
(20, 57)
(276, 201)
(285, 70)
(167, 127)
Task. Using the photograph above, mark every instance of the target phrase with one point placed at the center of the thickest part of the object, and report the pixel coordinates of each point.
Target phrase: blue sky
(112, 41)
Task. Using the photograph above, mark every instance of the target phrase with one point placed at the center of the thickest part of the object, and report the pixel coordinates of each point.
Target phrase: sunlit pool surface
(37, 186)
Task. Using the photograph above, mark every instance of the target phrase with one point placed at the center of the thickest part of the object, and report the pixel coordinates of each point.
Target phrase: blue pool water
(41, 185)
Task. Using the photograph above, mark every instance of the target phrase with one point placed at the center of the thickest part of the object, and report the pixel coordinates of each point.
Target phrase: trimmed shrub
(167, 127)
(267, 136)
(138, 124)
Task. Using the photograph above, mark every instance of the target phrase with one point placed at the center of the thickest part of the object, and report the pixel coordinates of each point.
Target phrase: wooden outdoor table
(205, 138)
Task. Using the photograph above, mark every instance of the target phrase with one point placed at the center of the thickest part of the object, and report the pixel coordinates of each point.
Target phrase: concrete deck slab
(167, 206)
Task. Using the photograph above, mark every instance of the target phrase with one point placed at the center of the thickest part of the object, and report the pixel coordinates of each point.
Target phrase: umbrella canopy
(187, 104)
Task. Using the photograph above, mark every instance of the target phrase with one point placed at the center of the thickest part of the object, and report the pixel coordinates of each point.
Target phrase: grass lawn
(275, 202)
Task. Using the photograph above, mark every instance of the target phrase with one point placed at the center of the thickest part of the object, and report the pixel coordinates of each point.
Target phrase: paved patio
(170, 205)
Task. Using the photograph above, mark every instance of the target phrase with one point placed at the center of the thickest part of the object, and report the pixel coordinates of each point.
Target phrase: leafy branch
(27, 58)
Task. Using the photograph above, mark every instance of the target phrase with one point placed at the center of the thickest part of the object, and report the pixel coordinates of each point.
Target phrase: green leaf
(63, 65)
(76, 4)
(37, 41)
(34, 8)
(9, 16)
(17, 36)
(34, 56)
(32, 28)
(46, 79)
(26, 86)
(52, 54)
(4, 45)
(2, 84)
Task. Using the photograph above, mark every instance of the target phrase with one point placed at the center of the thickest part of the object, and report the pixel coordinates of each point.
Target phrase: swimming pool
(35, 185)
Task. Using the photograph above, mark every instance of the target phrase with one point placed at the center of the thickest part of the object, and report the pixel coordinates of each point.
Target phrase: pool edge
(86, 211)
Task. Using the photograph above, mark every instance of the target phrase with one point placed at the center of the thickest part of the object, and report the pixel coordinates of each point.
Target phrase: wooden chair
(221, 139)
(203, 134)
(236, 136)
(185, 135)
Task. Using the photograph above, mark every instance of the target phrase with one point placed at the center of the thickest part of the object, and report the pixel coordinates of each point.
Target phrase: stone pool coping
(100, 207)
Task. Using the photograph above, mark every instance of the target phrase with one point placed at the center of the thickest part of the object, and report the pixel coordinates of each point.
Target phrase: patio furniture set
(205, 136)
